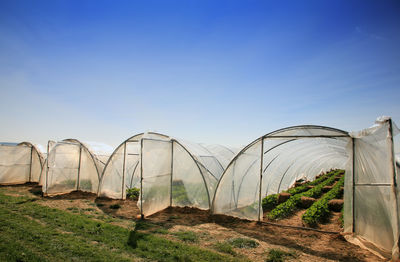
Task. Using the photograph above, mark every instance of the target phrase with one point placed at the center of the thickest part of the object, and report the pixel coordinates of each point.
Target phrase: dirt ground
(307, 245)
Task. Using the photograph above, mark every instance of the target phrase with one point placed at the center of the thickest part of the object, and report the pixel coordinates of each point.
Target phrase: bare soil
(307, 245)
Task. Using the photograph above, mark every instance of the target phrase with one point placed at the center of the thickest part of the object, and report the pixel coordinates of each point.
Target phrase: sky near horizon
(221, 72)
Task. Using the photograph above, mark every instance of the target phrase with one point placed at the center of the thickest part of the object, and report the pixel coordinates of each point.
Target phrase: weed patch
(187, 236)
(278, 255)
(243, 243)
(224, 247)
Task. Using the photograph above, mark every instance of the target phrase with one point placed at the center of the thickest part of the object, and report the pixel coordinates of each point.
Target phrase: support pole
(30, 166)
(172, 171)
(123, 172)
(141, 179)
(261, 174)
(47, 165)
(394, 183)
(353, 141)
(79, 167)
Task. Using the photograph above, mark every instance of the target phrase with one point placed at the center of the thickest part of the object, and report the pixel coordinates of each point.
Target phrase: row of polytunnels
(171, 172)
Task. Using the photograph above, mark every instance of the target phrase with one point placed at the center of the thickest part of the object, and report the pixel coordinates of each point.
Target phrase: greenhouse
(273, 163)
(168, 172)
(20, 163)
(73, 165)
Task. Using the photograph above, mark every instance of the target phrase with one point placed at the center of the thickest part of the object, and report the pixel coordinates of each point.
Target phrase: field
(80, 227)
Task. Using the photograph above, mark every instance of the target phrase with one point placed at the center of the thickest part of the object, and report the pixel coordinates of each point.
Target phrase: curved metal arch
(94, 158)
(270, 134)
(39, 155)
(38, 152)
(228, 166)
(195, 159)
(72, 140)
(313, 161)
(133, 173)
(197, 164)
(255, 161)
(227, 148)
(295, 160)
(270, 149)
(125, 141)
(116, 150)
(215, 158)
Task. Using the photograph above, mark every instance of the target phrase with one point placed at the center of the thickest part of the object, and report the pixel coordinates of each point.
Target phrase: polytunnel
(20, 163)
(73, 165)
(168, 172)
(273, 162)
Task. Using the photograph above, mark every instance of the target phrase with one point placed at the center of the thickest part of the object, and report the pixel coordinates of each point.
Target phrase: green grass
(225, 247)
(187, 236)
(31, 232)
(243, 243)
(278, 255)
(73, 209)
(161, 231)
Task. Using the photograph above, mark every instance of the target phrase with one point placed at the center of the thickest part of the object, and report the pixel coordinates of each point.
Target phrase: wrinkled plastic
(374, 208)
(174, 172)
(287, 155)
(20, 163)
(71, 165)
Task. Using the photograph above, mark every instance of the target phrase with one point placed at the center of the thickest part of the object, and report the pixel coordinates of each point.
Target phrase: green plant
(142, 225)
(243, 243)
(271, 201)
(187, 236)
(224, 247)
(286, 209)
(319, 211)
(73, 209)
(278, 255)
(133, 193)
(161, 231)
(341, 220)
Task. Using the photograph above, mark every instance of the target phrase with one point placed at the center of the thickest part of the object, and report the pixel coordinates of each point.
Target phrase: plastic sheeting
(20, 163)
(71, 165)
(273, 162)
(287, 154)
(174, 172)
(371, 191)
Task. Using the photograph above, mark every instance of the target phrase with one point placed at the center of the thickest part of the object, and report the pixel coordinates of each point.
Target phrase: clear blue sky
(208, 71)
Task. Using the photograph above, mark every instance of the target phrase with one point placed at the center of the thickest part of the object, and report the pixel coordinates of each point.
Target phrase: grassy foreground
(31, 232)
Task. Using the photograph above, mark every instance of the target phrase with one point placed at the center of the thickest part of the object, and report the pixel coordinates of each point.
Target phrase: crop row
(319, 210)
(285, 209)
(271, 201)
